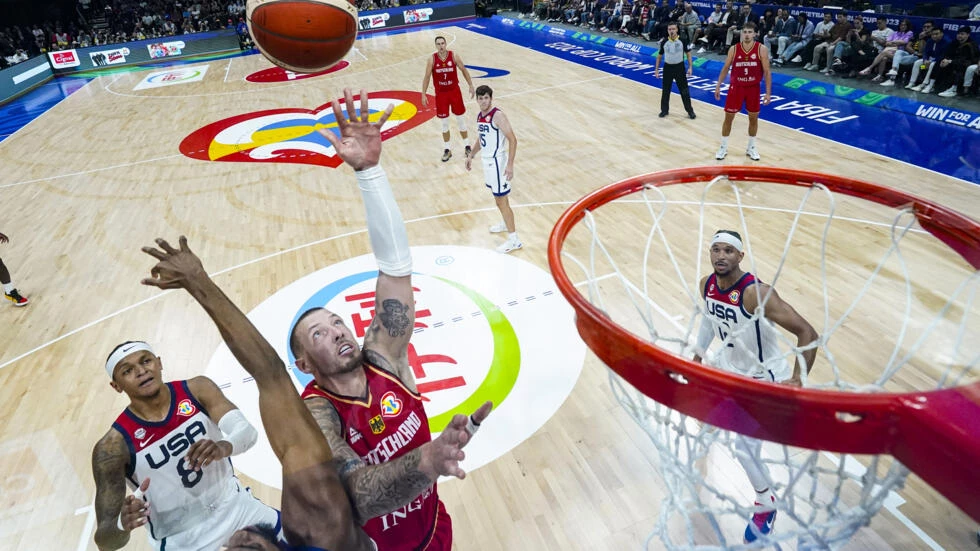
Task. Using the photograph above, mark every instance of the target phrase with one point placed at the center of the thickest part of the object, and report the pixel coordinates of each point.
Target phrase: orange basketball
(304, 36)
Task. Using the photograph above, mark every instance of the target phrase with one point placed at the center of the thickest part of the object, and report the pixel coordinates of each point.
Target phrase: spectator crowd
(923, 60)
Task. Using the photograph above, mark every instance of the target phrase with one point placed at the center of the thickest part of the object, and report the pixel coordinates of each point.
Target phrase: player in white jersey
(750, 347)
(495, 133)
(172, 443)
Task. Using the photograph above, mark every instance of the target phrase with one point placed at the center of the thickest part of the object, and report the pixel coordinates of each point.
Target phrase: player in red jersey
(316, 502)
(176, 436)
(441, 68)
(365, 399)
(749, 62)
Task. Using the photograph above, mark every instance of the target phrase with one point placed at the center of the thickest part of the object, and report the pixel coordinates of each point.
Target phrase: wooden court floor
(90, 182)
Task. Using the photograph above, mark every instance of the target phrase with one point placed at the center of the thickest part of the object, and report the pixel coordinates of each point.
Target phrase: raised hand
(359, 144)
(135, 511)
(176, 268)
(441, 456)
(203, 452)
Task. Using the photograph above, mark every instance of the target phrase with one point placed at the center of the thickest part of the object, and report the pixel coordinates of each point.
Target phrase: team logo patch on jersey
(186, 408)
(390, 406)
(354, 435)
(377, 424)
(140, 433)
(733, 296)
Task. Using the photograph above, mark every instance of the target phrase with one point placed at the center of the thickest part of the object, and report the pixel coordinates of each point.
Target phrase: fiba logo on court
(488, 327)
(290, 135)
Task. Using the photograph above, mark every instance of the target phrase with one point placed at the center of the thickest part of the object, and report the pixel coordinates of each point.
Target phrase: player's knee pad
(461, 121)
(445, 124)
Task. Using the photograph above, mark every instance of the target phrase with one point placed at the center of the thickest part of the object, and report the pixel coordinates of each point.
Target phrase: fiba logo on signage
(478, 336)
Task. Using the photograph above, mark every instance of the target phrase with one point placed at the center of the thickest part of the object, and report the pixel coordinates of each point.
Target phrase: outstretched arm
(782, 314)
(386, 340)
(291, 430)
(380, 489)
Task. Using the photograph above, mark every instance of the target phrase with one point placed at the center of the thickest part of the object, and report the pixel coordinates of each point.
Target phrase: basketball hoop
(934, 433)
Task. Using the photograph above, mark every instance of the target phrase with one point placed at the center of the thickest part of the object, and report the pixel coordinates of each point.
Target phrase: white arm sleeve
(705, 335)
(385, 225)
(237, 431)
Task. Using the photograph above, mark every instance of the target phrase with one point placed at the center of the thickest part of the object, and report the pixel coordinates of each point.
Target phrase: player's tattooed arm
(386, 340)
(109, 459)
(373, 489)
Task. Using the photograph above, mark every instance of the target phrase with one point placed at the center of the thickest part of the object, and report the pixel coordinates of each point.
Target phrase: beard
(352, 363)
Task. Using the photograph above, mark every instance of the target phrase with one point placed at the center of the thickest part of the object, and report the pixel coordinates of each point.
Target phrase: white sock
(445, 144)
(751, 141)
(750, 456)
(724, 141)
(513, 237)
(9, 287)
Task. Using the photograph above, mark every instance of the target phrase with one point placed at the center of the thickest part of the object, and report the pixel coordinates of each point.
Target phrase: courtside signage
(64, 59)
(171, 77)
(488, 327)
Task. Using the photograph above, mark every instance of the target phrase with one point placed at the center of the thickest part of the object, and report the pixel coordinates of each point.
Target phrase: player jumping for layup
(749, 62)
(441, 68)
(751, 349)
(498, 162)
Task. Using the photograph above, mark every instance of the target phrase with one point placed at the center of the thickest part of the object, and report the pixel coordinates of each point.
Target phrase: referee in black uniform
(673, 49)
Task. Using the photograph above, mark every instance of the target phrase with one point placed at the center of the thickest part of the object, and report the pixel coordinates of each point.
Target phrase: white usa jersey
(179, 496)
(492, 140)
(753, 349)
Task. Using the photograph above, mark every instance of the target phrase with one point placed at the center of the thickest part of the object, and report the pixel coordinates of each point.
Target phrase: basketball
(304, 36)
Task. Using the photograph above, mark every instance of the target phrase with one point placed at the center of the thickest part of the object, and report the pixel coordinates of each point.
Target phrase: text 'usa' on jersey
(158, 451)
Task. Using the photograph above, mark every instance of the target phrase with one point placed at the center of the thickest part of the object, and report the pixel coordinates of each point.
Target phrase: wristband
(138, 494)
(471, 425)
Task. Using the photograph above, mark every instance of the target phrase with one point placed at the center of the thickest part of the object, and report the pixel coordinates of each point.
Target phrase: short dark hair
(732, 233)
(484, 90)
(964, 29)
(748, 25)
(803, 15)
(882, 18)
(929, 22)
(267, 531)
(294, 345)
(438, 37)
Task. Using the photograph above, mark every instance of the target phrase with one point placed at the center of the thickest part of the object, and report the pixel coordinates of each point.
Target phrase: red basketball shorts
(442, 534)
(451, 98)
(749, 96)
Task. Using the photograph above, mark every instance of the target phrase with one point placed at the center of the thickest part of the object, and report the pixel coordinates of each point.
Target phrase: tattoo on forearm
(380, 489)
(395, 316)
(109, 460)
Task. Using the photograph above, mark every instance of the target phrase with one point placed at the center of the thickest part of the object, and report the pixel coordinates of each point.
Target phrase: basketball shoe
(510, 245)
(468, 150)
(762, 521)
(753, 153)
(499, 227)
(16, 298)
(722, 152)
(446, 155)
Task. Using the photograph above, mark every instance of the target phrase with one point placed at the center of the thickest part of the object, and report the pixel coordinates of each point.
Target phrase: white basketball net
(822, 499)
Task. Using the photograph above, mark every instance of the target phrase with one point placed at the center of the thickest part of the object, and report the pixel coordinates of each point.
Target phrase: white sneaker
(753, 153)
(892, 73)
(916, 88)
(796, 59)
(888, 82)
(498, 227)
(702, 50)
(951, 93)
(927, 89)
(911, 86)
(510, 245)
(722, 152)
(809, 67)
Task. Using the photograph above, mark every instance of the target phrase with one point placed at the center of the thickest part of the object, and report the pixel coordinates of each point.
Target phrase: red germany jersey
(386, 423)
(747, 66)
(444, 72)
